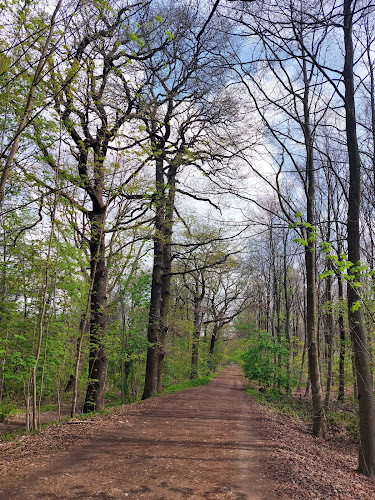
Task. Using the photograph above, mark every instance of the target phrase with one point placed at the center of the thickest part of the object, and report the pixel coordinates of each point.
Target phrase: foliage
(264, 359)
(6, 409)
(177, 362)
(344, 419)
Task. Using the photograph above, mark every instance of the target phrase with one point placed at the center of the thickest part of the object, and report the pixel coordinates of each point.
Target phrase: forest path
(201, 443)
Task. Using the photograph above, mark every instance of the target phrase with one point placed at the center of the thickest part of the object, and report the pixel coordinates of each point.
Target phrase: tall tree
(98, 65)
(185, 113)
(356, 320)
(284, 60)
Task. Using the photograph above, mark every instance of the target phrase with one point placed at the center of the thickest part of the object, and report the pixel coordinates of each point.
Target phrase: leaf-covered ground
(211, 442)
(309, 468)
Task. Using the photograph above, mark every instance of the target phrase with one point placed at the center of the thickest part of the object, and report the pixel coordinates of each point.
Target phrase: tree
(180, 126)
(93, 121)
(37, 32)
(284, 60)
(205, 261)
(228, 295)
(356, 322)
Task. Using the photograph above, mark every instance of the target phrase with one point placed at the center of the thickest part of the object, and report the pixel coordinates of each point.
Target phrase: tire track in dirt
(202, 443)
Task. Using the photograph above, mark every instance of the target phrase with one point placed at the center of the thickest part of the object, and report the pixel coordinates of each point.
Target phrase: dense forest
(184, 185)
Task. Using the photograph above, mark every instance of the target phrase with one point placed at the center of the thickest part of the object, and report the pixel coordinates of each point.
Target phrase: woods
(183, 187)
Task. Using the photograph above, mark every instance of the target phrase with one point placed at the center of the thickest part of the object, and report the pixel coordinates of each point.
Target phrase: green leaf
(325, 274)
(301, 242)
(169, 35)
(355, 306)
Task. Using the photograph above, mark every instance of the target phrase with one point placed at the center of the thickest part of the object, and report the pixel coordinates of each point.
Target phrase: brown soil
(212, 442)
(202, 443)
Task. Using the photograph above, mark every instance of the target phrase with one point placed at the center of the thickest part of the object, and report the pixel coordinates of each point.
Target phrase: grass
(10, 436)
(6, 410)
(48, 408)
(343, 418)
(197, 382)
(113, 404)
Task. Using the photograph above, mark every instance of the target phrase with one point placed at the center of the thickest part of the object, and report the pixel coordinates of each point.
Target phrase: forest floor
(16, 424)
(210, 442)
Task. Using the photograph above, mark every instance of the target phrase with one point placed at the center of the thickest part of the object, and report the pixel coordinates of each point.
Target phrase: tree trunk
(287, 314)
(302, 365)
(155, 320)
(196, 335)
(319, 424)
(341, 392)
(329, 337)
(308, 386)
(83, 329)
(359, 338)
(94, 399)
(41, 321)
(154, 324)
(167, 265)
(213, 340)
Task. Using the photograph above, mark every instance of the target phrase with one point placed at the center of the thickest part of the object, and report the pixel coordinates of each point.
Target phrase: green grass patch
(197, 382)
(10, 436)
(48, 408)
(112, 404)
(7, 409)
(91, 414)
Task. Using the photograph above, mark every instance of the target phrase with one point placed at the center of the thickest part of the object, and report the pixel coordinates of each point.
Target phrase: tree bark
(213, 340)
(302, 365)
(341, 391)
(329, 337)
(319, 424)
(167, 265)
(94, 399)
(154, 324)
(359, 338)
(287, 312)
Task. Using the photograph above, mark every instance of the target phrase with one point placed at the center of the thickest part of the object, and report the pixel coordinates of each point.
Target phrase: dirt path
(202, 443)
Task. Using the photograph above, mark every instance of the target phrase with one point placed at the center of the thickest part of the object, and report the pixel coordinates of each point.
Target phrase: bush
(6, 409)
(265, 359)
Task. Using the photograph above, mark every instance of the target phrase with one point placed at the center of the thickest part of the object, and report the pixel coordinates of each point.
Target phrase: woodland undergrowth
(342, 416)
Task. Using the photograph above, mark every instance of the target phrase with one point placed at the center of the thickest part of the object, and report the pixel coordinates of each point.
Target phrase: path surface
(202, 443)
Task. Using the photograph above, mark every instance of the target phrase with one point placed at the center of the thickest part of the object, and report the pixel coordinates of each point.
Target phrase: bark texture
(319, 424)
(98, 318)
(358, 334)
